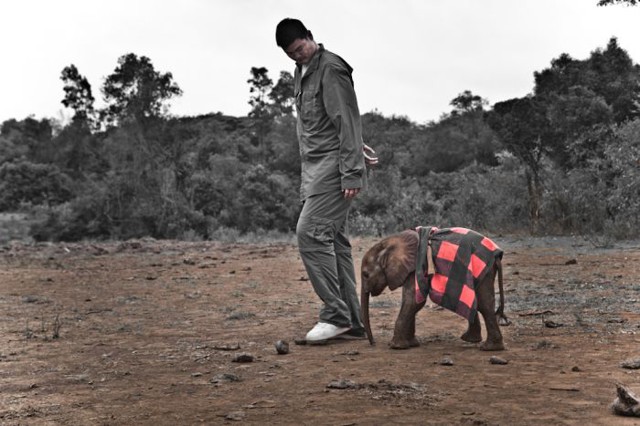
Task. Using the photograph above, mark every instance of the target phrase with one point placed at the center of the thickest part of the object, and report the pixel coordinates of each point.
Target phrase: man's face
(301, 50)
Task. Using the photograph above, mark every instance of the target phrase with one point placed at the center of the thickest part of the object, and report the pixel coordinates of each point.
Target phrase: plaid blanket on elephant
(460, 259)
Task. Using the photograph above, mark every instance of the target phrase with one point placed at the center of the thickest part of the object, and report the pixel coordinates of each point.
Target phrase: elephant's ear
(399, 258)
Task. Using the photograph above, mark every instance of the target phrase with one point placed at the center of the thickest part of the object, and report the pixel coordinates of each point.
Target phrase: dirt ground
(156, 332)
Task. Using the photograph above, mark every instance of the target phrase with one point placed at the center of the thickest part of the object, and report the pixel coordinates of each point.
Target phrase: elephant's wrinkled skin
(392, 262)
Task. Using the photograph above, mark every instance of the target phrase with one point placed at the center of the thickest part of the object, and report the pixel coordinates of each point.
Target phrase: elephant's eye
(365, 274)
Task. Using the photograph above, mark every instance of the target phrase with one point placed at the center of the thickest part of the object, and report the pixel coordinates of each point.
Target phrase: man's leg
(347, 279)
(321, 217)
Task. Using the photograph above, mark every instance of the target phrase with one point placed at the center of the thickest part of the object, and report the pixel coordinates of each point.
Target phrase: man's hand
(370, 157)
(350, 193)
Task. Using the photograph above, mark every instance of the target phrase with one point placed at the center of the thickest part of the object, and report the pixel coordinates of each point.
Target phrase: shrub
(27, 182)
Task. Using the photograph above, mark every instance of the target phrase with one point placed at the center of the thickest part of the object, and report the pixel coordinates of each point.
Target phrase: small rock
(552, 324)
(243, 357)
(446, 361)
(576, 369)
(626, 403)
(282, 347)
(571, 262)
(225, 377)
(631, 364)
(496, 360)
(235, 416)
(342, 384)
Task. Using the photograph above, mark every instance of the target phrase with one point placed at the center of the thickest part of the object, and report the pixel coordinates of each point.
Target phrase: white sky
(410, 57)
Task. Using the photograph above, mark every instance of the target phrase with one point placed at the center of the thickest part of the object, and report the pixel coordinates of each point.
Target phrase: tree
(78, 95)
(616, 79)
(137, 91)
(583, 97)
(467, 102)
(265, 201)
(261, 114)
(260, 86)
(27, 182)
(29, 138)
(609, 74)
(282, 96)
(523, 127)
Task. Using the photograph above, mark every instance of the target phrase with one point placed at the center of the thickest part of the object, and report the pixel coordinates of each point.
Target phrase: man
(333, 173)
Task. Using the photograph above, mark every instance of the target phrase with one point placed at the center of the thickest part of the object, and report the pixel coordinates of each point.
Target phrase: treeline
(563, 159)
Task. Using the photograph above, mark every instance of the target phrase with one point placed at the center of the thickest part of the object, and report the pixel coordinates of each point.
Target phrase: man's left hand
(350, 193)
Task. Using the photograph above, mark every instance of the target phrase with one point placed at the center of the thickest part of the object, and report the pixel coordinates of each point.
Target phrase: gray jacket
(328, 126)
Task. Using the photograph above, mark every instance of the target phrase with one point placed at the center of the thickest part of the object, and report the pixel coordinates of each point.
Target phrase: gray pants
(326, 253)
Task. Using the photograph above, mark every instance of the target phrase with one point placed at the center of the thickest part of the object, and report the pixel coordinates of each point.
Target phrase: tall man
(333, 172)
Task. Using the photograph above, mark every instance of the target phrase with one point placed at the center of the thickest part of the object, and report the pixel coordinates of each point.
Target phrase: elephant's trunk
(364, 307)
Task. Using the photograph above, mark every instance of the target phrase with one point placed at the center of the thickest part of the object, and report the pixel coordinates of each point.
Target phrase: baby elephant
(455, 267)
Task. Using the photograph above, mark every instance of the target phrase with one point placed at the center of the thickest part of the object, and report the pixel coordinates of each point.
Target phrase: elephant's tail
(502, 318)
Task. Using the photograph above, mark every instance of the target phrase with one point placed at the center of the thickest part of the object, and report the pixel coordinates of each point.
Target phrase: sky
(410, 57)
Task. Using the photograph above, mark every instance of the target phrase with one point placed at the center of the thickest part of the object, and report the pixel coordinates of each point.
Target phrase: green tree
(78, 95)
(26, 182)
(467, 102)
(282, 96)
(267, 201)
(28, 138)
(135, 90)
(617, 79)
(261, 114)
(523, 128)
(608, 73)
(283, 141)
(77, 151)
(583, 96)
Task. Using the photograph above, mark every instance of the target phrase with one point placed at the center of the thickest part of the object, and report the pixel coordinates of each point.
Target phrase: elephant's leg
(486, 305)
(413, 342)
(474, 331)
(404, 333)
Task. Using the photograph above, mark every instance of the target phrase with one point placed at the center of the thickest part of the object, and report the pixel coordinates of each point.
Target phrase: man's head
(296, 40)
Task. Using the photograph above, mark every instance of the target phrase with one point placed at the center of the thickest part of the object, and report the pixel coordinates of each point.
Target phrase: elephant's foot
(399, 345)
(471, 337)
(404, 344)
(489, 345)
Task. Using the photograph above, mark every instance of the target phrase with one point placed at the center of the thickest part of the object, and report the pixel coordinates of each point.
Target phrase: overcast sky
(410, 57)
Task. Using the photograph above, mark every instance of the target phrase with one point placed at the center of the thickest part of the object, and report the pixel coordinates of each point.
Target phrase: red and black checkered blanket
(461, 258)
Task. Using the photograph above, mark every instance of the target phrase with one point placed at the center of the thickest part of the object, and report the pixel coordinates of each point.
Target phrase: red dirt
(146, 332)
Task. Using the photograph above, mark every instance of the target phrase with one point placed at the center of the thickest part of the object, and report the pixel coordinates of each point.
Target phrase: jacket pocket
(312, 108)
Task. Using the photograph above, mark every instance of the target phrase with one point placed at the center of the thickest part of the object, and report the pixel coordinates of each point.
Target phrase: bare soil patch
(163, 332)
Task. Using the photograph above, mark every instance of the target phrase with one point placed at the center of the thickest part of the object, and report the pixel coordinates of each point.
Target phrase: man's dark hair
(289, 30)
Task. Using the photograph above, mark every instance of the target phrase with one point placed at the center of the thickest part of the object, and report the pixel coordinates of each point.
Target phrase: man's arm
(341, 106)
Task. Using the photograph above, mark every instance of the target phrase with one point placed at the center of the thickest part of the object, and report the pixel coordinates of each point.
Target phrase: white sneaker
(324, 331)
